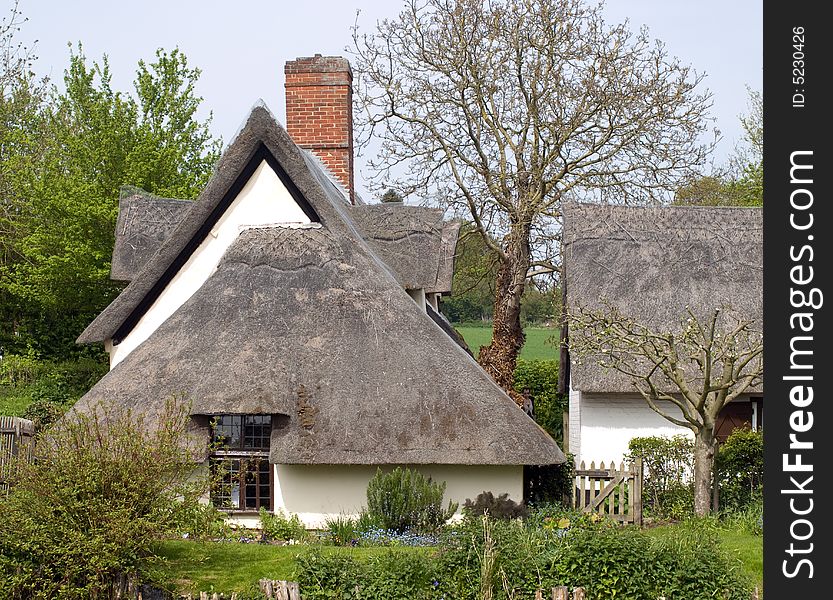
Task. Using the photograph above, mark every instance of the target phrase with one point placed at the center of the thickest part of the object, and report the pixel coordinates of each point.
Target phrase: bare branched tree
(501, 109)
(687, 375)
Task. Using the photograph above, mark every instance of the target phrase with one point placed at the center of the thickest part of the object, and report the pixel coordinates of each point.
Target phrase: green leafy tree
(93, 141)
(22, 99)
(475, 267)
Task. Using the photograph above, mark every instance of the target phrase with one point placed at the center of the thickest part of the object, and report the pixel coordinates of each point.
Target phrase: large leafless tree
(501, 109)
(687, 374)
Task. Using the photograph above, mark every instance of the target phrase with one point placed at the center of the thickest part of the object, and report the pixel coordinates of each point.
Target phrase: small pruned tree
(500, 110)
(687, 374)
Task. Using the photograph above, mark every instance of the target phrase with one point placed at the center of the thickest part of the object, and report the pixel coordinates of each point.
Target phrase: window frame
(241, 455)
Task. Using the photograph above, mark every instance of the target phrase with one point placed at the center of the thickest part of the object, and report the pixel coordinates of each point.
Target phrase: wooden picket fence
(16, 437)
(273, 589)
(610, 491)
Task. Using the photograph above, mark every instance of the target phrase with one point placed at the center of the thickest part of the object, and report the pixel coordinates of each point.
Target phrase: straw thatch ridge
(311, 324)
(653, 262)
(144, 223)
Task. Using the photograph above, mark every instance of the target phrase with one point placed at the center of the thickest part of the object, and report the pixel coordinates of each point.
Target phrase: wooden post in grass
(578, 593)
(560, 593)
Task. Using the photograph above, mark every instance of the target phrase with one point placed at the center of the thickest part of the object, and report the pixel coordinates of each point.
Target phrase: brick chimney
(319, 111)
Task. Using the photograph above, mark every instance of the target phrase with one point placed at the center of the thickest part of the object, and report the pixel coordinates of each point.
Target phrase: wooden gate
(610, 491)
(15, 438)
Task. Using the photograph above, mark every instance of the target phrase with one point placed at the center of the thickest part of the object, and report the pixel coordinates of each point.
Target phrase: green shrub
(343, 530)
(502, 507)
(668, 465)
(203, 522)
(328, 576)
(510, 560)
(609, 563)
(393, 575)
(20, 370)
(104, 489)
(278, 526)
(43, 413)
(739, 469)
(397, 575)
(407, 500)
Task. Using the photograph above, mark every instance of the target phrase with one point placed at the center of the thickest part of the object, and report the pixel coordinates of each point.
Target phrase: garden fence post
(560, 593)
(578, 593)
(637, 489)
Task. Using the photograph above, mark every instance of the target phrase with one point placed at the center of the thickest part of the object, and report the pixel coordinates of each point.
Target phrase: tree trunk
(500, 357)
(704, 447)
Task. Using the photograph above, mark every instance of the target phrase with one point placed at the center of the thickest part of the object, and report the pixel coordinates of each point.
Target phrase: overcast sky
(241, 47)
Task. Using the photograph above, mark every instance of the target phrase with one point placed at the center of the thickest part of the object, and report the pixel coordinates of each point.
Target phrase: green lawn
(536, 347)
(748, 549)
(236, 567)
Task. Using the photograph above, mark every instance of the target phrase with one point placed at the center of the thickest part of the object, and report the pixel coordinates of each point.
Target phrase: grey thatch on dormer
(144, 222)
(653, 262)
(309, 323)
(413, 240)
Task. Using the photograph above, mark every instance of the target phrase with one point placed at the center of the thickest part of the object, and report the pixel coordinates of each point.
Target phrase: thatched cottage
(304, 325)
(651, 263)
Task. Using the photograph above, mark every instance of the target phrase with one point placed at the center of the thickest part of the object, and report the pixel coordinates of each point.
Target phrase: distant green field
(537, 346)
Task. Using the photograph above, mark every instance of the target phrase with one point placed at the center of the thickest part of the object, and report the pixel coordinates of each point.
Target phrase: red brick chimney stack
(319, 111)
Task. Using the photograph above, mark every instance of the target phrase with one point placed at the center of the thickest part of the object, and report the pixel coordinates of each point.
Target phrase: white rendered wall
(574, 423)
(609, 421)
(315, 492)
(264, 201)
(432, 299)
(418, 296)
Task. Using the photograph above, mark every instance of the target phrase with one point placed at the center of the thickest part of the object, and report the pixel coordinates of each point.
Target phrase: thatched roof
(311, 324)
(414, 241)
(653, 262)
(144, 222)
